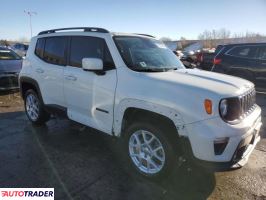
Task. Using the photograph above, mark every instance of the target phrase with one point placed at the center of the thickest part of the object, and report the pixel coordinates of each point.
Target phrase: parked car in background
(204, 60)
(247, 61)
(189, 59)
(10, 66)
(20, 49)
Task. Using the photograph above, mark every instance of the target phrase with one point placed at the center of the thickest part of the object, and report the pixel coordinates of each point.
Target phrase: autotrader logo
(26, 193)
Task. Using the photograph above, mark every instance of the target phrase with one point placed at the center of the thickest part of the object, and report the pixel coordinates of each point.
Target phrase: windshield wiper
(153, 69)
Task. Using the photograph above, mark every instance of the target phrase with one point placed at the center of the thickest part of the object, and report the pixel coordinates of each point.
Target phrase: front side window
(243, 51)
(146, 54)
(54, 51)
(89, 47)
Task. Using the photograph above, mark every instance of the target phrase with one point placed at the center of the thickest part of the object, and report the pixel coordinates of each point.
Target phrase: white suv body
(102, 99)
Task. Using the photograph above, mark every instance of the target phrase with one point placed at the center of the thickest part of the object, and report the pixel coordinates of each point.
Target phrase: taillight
(200, 57)
(217, 61)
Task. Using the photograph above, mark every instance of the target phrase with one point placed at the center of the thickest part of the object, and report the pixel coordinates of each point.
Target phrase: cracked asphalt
(81, 163)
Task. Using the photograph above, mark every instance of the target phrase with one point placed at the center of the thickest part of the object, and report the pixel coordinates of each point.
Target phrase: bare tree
(210, 38)
(4, 43)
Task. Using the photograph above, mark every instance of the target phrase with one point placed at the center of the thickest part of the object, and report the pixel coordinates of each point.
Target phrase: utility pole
(30, 13)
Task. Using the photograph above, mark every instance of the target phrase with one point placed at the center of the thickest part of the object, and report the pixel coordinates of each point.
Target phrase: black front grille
(8, 81)
(247, 102)
(241, 106)
(240, 152)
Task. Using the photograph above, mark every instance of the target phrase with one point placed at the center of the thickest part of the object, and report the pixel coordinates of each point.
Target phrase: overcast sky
(168, 18)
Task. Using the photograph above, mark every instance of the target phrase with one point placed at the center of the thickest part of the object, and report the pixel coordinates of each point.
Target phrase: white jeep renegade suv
(131, 86)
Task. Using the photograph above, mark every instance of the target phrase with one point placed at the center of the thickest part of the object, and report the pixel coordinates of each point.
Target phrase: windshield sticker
(160, 45)
(143, 64)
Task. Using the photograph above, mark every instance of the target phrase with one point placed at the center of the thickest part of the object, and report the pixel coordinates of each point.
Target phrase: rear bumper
(9, 81)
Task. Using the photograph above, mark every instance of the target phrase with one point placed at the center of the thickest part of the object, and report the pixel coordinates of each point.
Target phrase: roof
(91, 29)
(131, 34)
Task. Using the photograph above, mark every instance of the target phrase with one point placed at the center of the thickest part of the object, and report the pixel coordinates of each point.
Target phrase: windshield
(146, 54)
(8, 55)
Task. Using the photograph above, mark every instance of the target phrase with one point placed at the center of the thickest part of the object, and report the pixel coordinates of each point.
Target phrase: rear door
(241, 61)
(90, 96)
(49, 70)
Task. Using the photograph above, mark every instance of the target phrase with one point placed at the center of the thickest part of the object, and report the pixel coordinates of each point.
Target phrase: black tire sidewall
(42, 116)
(168, 149)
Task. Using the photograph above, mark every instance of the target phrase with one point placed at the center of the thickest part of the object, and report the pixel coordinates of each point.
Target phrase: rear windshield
(8, 55)
(218, 49)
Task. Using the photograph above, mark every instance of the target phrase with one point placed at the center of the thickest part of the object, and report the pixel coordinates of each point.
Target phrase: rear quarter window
(39, 48)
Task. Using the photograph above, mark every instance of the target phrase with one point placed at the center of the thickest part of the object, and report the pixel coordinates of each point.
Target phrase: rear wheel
(149, 151)
(34, 108)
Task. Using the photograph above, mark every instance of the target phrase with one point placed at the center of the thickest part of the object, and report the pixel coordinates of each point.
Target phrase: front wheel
(149, 151)
(34, 108)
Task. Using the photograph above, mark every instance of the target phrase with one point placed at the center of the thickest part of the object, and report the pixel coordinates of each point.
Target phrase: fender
(170, 113)
(25, 79)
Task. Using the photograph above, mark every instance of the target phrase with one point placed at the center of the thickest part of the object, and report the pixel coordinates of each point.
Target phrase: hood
(10, 66)
(198, 80)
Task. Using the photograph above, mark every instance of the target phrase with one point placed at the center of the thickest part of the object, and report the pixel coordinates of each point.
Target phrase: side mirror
(92, 64)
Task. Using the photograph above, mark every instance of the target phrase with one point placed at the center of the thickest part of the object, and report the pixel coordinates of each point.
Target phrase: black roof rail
(85, 29)
(145, 35)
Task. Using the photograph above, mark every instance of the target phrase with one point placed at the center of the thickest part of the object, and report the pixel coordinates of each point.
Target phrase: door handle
(71, 78)
(39, 70)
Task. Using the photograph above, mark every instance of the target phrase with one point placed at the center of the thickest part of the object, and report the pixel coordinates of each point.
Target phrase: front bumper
(9, 81)
(242, 139)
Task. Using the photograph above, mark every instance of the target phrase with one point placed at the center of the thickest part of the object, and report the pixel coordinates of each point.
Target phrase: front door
(90, 96)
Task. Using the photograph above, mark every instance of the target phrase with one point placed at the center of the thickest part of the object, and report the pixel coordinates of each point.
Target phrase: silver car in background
(20, 49)
(10, 66)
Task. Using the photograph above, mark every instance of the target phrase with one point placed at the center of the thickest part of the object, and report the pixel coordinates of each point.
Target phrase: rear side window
(89, 47)
(243, 51)
(262, 53)
(39, 49)
(54, 51)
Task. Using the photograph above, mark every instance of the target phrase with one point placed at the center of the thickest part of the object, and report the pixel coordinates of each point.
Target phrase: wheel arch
(26, 83)
(129, 109)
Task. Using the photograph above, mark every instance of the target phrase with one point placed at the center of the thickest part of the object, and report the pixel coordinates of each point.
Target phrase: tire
(34, 108)
(168, 161)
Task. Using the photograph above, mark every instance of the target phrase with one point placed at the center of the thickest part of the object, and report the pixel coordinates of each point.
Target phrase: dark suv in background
(247, 61)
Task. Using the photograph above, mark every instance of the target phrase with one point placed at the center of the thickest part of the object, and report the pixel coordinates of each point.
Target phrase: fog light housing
(220, 145)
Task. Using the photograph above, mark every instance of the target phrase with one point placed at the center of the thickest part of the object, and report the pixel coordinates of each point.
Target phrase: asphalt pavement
(81, 163)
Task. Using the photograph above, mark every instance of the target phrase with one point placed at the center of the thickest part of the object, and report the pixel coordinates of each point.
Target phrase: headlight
(223, 108)
(230, 110)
